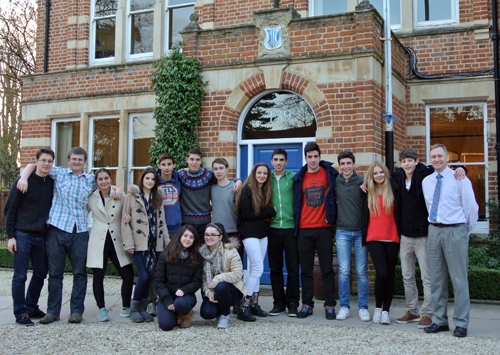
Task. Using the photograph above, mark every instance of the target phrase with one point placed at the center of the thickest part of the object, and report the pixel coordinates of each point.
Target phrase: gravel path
(261, 337)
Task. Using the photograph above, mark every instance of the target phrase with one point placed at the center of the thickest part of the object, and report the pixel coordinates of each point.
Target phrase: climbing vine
(179, 88)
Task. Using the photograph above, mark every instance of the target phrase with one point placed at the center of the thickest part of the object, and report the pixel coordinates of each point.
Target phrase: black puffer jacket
(168, 278)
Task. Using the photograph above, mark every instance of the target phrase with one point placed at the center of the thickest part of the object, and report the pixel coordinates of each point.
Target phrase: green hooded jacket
(282, 199)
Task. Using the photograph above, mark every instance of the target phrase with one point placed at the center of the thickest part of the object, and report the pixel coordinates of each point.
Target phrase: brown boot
(184, 321)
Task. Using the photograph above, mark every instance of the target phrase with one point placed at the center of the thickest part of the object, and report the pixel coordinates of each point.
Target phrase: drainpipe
(46, 41)
(389, 133)
(496, 75)
(276, 4)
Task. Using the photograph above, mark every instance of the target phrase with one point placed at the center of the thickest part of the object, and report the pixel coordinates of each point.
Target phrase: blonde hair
(387, 195)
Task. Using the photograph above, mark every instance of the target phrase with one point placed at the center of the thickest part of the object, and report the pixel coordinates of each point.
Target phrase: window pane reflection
(179, 18)
(433, 10)
(106, 142)
(67, 137)
(136, 5)
(142, 33)
(105, 38)
(279, 115)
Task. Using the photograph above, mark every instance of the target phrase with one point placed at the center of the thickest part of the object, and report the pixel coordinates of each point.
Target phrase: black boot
(254, 306)
(244, 313)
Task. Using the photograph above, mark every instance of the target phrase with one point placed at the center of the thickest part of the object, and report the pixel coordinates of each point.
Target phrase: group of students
(158, 225)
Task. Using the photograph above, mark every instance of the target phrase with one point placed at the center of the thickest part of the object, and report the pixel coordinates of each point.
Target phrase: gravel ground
(261, 337)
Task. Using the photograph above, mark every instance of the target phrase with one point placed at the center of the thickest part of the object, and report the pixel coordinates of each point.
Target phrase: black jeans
(320, 241)
(283, 241)
(126, 273)
(384, 256)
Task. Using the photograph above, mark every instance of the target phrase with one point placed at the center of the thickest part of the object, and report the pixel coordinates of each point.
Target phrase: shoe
(49, 318)
(25, 320)
(103, 315)
(276, 311)
(377, 315)
(37, 314)
(407, 318)
(435, 328)
(152, 309)
(424, 322)
(305, 312)
(364, 315)
(343, 313)
(135, 313)
(144, 310)
(125, 312)
(224, 322)
(330, 312)
(185, 321)
(292, 310)
(460, 332)
(75, 318)
(244, 313)
(254, 306)
(385, 320)
(236, 308)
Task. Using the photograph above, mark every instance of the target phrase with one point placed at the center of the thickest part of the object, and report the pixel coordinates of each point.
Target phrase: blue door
(262, 153)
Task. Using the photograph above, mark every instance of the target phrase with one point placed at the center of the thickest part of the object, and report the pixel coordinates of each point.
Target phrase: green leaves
(179, 88)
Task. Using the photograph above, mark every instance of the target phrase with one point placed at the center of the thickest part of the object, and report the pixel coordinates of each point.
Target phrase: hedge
(484, 284)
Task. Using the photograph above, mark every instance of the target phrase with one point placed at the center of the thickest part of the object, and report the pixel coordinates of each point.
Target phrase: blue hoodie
(171, 201)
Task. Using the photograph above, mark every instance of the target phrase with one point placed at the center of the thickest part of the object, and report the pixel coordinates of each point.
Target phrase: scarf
(149, 255)
(212, 265)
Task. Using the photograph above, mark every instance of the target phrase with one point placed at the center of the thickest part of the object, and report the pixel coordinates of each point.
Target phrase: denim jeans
(345, 241)
(227, 295)
(32, 248)
(74, 245)
(319, 240)
(141, 290)
(283, 241)
(183, 305)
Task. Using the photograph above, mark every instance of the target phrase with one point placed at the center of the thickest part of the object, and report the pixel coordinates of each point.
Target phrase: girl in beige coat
(105, 242)
(145, 235)
(222, 285)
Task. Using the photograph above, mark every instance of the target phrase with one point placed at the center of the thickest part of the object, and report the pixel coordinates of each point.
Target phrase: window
(462, 129)
(140, 27)
(395, 11)
(327, 7)
(177, 17)
(103, 31)
(103, 144)
(141, 133)
(436, 12)
(66, 135)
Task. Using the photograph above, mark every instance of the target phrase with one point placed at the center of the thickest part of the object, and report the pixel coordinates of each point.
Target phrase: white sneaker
(223, 322)
(385, 318)
(364, 315)
(343, 313)
(124, 313)
(377, 315)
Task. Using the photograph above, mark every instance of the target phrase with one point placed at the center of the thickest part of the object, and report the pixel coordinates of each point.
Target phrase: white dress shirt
(457, 203)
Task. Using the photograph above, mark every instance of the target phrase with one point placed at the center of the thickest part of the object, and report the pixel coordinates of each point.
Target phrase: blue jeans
(183, 305)
(227, 295)
(74, 245)
(32, 248)
(141, 290)
(345, 241)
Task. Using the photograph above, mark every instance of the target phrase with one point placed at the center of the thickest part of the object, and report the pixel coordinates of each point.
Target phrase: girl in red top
(382, 237)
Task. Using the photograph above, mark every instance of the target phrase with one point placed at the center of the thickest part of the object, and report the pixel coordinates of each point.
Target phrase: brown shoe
(424, 322)
(407, 318)
(185, 321)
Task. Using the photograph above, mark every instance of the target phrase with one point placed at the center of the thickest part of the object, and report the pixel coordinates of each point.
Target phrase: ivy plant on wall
(179, 88)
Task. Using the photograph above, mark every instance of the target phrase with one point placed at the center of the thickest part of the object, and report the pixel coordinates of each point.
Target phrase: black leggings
(384, 256)
(126, 273)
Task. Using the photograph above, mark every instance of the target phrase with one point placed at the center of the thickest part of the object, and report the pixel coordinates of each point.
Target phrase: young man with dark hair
(349, 235)
(171, 186)
(282, 239)
(315, 211)
(26, 217)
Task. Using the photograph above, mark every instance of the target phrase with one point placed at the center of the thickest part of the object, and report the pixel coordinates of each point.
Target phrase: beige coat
(231, 269)
(135, 234)
(105, 218)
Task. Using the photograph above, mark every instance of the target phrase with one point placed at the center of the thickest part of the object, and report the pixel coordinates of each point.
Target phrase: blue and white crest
(273, 37)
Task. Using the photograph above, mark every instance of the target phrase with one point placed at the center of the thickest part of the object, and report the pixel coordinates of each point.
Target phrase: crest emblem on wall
(273, 37)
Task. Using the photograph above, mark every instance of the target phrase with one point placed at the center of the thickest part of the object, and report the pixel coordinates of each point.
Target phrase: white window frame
(312, 4)
(452, 21)
(90, 160)
(92, 59)
(130, 144)
(169, 8)
(54, 139)
(128, 47)
(482, 227)
(396, 26)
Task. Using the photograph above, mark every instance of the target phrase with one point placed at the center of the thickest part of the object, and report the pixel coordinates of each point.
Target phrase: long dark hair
(261, 198)
(157, 200)
(174, 248)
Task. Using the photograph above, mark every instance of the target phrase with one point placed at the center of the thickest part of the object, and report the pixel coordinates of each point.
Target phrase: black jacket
(251, 225)
(168, 278)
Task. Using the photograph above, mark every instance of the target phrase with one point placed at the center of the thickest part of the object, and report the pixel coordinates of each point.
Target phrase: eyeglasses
(45, 161)
(77, 160)
(212, 236)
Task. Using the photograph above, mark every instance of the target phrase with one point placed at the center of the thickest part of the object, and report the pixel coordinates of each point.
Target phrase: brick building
(318, 74)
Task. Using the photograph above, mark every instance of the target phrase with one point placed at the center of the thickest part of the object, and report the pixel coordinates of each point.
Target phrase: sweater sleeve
(10, 210)
(128, 240)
